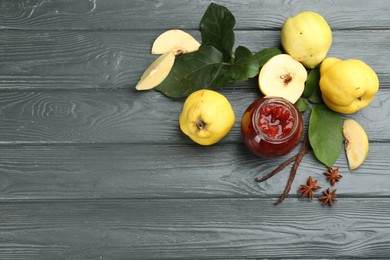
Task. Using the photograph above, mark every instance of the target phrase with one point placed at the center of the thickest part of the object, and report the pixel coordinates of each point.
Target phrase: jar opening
(270, 105)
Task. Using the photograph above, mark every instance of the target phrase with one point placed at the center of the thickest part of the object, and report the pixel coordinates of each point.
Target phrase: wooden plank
(188, 229)
(140, 14)
(69, 59)
(128, 116)
(170, 171)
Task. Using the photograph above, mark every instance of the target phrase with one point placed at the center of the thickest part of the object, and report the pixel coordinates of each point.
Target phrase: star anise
(307, 189)
(332, 175)
(329, 197)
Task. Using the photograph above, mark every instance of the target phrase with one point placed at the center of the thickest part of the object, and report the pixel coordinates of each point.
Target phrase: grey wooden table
(92, 169)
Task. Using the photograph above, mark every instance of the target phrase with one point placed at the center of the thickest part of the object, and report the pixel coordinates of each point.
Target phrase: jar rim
(277, 100)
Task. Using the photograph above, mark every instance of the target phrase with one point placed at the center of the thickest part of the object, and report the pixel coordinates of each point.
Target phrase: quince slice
(157, 71)
(283, 76)
(177, 40)
(356, 143)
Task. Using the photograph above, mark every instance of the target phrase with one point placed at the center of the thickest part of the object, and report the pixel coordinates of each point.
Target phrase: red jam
(271, 127)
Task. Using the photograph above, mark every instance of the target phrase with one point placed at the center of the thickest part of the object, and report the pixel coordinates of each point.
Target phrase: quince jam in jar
(271, 127)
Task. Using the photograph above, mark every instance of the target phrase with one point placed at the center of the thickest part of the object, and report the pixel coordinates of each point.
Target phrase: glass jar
(271, 127)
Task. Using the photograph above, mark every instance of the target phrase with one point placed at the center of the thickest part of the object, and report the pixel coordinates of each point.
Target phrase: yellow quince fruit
(307, 37)
(347, 85)
(207, 117)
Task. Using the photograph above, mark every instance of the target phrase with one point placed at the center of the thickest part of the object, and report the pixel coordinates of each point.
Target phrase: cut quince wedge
(177, 40)
(157, 71)
(283, 76)
(356, 143)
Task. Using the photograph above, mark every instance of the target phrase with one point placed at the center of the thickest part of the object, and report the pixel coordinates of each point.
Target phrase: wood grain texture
(170, 171)
(95, 59)
(188, 229)
(160, 14)
(92, 169)
(128, 116)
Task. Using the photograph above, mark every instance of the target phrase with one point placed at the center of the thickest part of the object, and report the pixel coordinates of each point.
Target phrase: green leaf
(312, 82)
(266, 54)
(316, 97)
(312, 87)
(325, 134)
(216, 29)
(302, 104)
(245, 64)
(205, 69)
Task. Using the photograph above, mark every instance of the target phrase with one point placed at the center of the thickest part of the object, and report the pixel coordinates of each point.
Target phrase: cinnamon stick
(304, 148)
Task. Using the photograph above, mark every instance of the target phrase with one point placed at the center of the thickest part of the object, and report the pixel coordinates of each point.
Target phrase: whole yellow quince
(306, 37)
(347, 85)
(207, 117)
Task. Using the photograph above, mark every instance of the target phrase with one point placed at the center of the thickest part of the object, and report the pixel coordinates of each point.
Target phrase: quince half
(356, 143)
(347, 85)
(283, 76)
(207, 117)
(177, 40)
(307, 37)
